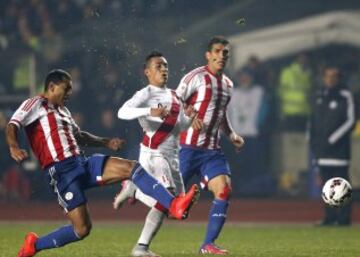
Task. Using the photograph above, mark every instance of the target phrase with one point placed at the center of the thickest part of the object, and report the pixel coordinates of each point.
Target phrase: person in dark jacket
(331, 122)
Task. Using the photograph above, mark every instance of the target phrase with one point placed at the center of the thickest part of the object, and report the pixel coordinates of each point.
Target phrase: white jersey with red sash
(210, 96)
(50, 130)
(160, 145)
(160, 135)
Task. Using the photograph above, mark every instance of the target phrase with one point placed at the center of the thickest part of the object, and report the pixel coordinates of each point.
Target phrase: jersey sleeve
(134, 107)
(27, 113)
(187, 87)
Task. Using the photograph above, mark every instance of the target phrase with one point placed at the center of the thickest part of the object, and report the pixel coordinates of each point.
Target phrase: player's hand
(18, 154)
(237, 141)
(160, 112)
(115, 144)
(197, 124)
(190, 111)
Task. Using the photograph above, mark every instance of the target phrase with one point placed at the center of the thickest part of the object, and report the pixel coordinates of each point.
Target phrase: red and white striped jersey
(210, 95)
(160, 135)
(50, 130)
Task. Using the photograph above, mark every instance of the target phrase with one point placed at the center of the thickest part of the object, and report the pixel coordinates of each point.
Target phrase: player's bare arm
(196, 123)
(85, 138)
(16, 152)
(236, 139)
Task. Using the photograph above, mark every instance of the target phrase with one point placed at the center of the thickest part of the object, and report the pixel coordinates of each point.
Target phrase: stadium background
(103, 44)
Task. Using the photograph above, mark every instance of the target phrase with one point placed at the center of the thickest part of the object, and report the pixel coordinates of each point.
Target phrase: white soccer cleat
(127, 192)
(143, 251)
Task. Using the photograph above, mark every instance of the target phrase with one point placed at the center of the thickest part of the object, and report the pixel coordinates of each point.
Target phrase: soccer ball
(336, 192)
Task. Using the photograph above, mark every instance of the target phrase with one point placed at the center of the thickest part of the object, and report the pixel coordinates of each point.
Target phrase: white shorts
(164, 168)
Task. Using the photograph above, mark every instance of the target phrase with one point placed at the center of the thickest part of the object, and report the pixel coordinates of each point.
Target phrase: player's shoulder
(32, 102)
(193, 74)
(143, 93)
(228, 81)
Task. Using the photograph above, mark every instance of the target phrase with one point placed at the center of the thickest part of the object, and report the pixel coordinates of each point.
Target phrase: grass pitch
(182, 239)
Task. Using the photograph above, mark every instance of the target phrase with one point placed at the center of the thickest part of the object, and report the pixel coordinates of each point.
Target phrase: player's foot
(127, 192)
(28, 248)
(213, 249)
(180, 206)
(143, 251)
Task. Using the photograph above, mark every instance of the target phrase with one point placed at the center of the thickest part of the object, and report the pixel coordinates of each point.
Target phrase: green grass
(183, 239)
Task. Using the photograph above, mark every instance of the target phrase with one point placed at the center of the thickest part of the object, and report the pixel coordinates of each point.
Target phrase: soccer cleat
(143, 251)
(127, 192)
(213, 249)
(180, 206)
(28, 248)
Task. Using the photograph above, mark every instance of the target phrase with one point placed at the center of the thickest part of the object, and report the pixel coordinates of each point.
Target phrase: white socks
(152, 224)
(147, 200)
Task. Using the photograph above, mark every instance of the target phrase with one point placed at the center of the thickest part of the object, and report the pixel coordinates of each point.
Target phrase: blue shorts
(204, 163)
(69, 178)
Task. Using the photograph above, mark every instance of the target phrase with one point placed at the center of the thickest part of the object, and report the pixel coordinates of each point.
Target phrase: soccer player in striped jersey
(55, 139)
(209, 90)
(159, 150)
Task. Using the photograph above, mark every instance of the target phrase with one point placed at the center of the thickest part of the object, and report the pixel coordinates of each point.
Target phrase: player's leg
(159, 167)
(216, 176)
(79, 229)
(153, 222)
(72, 199)
(220, 186)
(129, 191)
(115, 169)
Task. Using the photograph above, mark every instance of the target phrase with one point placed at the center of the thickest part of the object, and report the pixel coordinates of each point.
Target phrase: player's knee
(83, 230)
(129, 168)
(223, 193)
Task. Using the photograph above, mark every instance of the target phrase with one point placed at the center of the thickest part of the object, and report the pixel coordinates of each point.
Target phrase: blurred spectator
(249, 108)
(5, 158)
(260, 76)
(331, 123)
(294, 89)
(51, 45)
(14, 185)
(107, 122)
(65, 13)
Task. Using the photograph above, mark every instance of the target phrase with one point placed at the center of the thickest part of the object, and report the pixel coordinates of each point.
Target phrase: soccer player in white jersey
(55, 138)
(209, 90)
(160, 146)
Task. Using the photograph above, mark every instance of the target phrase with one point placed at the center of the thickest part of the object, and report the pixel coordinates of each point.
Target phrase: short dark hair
(56, 76)
(150, 56)
(217, 40)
